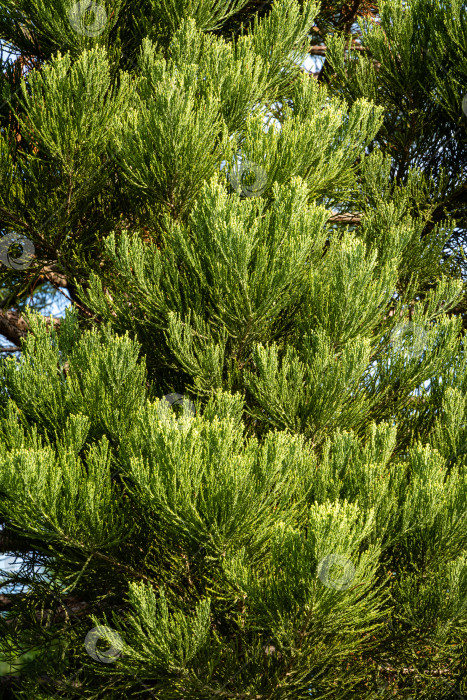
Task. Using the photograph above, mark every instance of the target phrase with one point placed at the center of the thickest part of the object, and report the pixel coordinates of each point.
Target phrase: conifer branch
(110, 560)
(15, 328)
(346, 218)
(345, 415)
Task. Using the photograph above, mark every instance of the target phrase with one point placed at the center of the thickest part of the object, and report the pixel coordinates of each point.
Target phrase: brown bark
(14, 327)
(346, 218)
(321, 50)
(57, 278)
(5, 602)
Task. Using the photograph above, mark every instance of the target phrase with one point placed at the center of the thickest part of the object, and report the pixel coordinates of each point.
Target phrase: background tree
(233, 230)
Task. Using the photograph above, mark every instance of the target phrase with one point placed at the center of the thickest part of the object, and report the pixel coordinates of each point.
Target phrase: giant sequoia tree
(237, 467)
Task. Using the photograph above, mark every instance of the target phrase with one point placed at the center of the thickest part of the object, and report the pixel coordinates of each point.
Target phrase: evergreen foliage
(237, 467)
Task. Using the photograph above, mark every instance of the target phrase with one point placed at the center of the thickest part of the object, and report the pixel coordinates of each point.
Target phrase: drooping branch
(11, 217)
(13, 542)
(71, 604)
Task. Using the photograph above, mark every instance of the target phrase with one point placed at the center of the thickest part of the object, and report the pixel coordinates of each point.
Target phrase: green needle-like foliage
(237, 467)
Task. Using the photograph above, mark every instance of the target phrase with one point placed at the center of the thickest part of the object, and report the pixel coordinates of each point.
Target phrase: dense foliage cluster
(240, 458)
